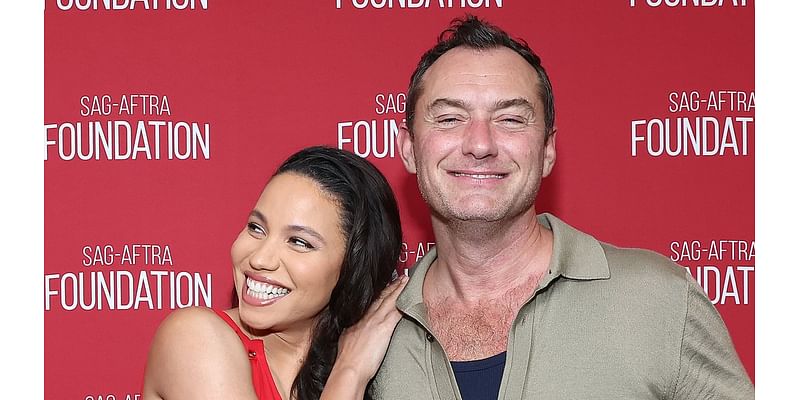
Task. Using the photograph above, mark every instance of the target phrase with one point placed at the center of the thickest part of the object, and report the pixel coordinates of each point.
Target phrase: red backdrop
(164, 119)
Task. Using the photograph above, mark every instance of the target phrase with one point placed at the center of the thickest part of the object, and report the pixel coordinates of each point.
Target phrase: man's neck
(480, 260)
(482, 275)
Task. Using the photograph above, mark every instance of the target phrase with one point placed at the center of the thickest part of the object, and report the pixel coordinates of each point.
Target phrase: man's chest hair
(477, 330)
(471, 332)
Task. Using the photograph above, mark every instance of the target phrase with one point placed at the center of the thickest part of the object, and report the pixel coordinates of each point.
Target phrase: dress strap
(227, 318)
(263, 382)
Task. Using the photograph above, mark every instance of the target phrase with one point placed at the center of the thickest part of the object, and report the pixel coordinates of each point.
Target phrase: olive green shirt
(604, 323)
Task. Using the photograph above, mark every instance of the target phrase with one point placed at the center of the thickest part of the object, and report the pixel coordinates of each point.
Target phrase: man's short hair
(474, 33)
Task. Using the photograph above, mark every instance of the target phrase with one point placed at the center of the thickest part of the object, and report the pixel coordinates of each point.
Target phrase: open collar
(576, 255)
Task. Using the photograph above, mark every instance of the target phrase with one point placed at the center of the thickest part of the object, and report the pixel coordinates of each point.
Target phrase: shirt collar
(576, 255)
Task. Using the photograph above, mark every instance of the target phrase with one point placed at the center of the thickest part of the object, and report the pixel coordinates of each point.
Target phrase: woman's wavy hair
(370, 222)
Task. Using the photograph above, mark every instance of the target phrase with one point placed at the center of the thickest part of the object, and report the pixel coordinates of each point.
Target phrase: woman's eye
(253, 227)
(301, 243)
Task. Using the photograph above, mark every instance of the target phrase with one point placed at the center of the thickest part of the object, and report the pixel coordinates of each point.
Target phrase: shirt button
(251, 354)
(429, 337)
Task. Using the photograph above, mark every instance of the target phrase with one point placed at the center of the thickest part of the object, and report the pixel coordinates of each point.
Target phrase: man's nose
(480, 139)
(266, 256)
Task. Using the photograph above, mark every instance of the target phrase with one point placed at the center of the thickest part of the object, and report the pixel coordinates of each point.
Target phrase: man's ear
(549, 153)
(405, 140)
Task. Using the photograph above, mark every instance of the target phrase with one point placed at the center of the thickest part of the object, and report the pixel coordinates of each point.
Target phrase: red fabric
(263, 383)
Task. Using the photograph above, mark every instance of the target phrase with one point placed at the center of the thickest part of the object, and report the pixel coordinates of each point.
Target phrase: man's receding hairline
(421, 83)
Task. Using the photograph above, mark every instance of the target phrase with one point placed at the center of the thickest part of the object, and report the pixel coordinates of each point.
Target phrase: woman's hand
(363, 345)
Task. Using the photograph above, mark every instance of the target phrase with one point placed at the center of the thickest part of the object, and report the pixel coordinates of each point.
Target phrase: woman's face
(287, 259)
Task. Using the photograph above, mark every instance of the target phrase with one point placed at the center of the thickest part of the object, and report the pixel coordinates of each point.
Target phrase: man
(511, 305)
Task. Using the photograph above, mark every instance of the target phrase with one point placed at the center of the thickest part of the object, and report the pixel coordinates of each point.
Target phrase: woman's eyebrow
(258, 215)
(307, 230)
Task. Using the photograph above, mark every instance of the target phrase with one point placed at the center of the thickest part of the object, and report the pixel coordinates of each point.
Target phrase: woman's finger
(390, 289)
(389, 303)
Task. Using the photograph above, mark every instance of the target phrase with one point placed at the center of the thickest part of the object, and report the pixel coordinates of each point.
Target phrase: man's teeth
(478, 176)
(264, 291)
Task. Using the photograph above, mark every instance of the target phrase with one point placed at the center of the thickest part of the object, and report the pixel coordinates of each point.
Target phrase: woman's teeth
(264, 291)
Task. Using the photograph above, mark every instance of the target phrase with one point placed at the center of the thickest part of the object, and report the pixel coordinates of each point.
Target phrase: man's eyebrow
(307, 230)
(518, 102)
(447, 102)
(499, 105)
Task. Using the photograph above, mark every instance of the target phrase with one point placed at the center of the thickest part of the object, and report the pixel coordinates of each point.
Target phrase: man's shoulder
(646, 278)
(625, 264)
(634, 262)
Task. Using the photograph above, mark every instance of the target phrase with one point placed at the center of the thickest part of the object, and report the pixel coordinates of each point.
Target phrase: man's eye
(447, 120)
(296, 241)
(513, 121)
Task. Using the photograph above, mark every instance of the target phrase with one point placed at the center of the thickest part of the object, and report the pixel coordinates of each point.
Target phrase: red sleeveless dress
(263, 383)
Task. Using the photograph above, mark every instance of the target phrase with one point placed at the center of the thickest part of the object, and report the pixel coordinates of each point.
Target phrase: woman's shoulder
(198, 328)
(196, 339)
(192, 318)
(192, 324)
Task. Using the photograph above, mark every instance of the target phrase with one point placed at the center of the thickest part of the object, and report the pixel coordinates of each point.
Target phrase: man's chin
(475, 214)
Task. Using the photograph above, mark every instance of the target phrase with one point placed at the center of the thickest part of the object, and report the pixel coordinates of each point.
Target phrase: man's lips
(477, 174)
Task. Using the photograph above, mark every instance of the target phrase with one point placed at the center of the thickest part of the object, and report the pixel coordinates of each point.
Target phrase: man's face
(479, 145)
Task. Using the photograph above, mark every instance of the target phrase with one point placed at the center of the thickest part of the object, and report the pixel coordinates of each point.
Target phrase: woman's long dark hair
(371, 223)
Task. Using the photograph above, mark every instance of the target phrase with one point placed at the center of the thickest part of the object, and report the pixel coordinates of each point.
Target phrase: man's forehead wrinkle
(465, 77)
(481, 74)
(437, 81)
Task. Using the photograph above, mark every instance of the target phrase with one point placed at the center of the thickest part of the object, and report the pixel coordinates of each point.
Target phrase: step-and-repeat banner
(165, 118)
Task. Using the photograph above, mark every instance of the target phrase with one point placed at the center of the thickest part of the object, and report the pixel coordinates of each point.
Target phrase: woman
(309, 268)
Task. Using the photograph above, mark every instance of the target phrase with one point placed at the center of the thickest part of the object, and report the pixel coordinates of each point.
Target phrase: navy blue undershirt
(480, 379)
